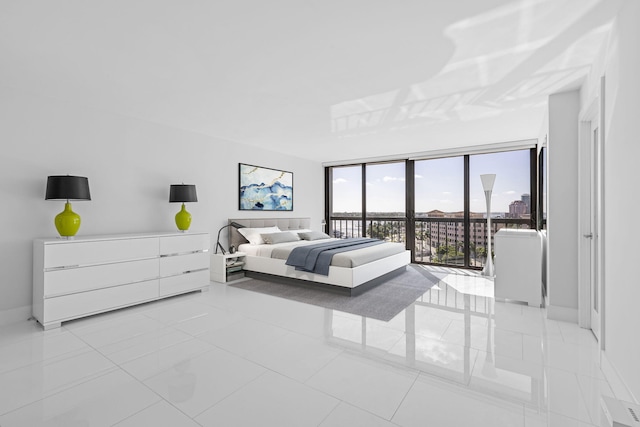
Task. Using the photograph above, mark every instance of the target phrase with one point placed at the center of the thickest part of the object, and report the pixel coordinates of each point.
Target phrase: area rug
(383, 302)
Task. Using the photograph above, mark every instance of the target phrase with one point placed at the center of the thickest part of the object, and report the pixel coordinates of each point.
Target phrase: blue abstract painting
(265, 189)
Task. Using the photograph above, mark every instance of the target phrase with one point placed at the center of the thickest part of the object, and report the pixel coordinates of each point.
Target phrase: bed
(350, 273)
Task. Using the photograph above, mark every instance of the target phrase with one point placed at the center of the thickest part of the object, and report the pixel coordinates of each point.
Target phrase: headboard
(284, 224)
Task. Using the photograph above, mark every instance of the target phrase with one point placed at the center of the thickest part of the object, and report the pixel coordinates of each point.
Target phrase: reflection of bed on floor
(351, 272)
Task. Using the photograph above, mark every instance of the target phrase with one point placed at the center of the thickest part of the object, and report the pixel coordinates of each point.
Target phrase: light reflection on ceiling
(488, 49)
(327, 80)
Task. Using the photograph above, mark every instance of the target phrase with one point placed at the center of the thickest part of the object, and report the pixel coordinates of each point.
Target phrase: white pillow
(300, 230)
(281, 237)
(314, 235)
(253, 234)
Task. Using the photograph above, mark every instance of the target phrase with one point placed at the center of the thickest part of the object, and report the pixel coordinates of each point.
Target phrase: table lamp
(218, 244)
(66, 187)
(183, 193)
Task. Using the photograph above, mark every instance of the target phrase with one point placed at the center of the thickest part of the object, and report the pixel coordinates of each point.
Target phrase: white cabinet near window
(89, 275)
(518, 266)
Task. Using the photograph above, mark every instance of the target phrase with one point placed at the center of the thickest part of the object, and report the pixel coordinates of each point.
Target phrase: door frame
(594, 111)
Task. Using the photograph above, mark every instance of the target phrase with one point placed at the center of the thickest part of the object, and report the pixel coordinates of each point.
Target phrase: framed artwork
(265, 189)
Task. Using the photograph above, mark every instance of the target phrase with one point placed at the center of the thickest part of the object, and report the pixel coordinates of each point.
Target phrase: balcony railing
(384, 228)
(437, 240)
(441, 240)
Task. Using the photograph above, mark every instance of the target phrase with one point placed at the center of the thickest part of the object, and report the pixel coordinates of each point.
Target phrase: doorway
(591, 257)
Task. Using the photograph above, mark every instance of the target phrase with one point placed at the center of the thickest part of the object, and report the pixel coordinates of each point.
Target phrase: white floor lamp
(487, 184)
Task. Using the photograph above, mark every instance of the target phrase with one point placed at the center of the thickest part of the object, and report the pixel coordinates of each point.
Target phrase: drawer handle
(194, 271)
(199, 251)
(62, 267)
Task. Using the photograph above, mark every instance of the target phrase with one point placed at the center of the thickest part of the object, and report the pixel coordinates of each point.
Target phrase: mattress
(347, 259)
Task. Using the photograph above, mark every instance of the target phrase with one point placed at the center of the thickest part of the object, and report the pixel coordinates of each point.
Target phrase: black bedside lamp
(218, 245)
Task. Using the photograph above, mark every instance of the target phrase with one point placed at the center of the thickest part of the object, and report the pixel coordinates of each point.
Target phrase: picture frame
(264, 189)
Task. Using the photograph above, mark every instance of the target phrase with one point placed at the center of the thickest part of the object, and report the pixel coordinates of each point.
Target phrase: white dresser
(89, 275)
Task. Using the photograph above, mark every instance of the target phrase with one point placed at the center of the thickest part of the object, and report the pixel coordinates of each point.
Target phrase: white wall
(620, 64)
(562, 231)
(130, 165)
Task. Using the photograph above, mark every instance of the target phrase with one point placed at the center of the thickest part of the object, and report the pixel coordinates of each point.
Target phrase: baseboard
(15, 315)
(564, 314)
(616, 381)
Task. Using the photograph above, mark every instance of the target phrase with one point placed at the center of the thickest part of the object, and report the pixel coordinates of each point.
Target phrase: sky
(438, 182)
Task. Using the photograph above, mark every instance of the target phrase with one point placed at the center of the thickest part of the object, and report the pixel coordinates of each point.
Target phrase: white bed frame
(340, 279)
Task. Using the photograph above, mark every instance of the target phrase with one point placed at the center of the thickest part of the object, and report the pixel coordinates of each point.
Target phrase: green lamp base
(183, 219)
(67, 222)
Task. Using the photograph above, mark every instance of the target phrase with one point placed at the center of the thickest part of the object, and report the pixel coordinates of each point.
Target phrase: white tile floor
(230, 357)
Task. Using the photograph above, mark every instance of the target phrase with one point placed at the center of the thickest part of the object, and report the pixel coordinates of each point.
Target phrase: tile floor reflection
(235, 358)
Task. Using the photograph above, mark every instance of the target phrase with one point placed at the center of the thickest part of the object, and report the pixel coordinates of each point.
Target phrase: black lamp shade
(182, 193)
(66, 187)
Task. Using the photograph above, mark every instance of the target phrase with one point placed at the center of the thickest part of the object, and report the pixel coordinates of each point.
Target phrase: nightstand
(227, 267)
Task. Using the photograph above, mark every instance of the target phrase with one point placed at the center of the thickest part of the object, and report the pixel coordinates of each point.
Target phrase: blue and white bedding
(350, 259)
(317, 258)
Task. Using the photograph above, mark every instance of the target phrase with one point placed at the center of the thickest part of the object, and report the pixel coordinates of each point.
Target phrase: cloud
(369, 184)
(418, 176)
(339, 181)
(446, 193)
(509, 192)
(392, 178)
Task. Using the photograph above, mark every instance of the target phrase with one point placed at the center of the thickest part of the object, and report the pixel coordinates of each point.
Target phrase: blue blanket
(317, 258)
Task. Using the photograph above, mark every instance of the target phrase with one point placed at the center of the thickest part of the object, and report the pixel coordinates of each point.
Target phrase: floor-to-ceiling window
(511, 201)
(385, 190)
(346, 201)
(542, 189)
(368, 200)
(436, 206)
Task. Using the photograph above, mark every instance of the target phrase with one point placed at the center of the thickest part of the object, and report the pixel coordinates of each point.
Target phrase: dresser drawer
(83, 279)
(184, 243)
(179, 264)
(85, 303)
(98, 252)
(184, 283)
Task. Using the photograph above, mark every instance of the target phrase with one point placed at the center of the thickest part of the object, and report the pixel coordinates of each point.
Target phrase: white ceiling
(320, 79)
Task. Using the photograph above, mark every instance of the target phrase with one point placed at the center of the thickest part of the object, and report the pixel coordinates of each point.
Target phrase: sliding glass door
(439, 211)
